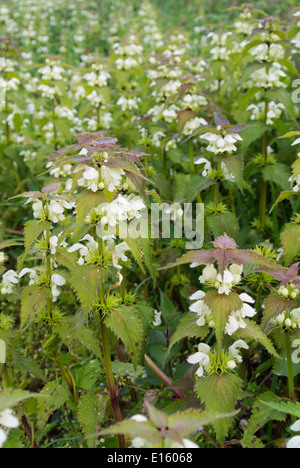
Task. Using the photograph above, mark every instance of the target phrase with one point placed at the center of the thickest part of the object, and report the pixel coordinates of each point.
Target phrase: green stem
(288, 349)
(191, 151)
(6, 123)
(263, 187)
(110, 380)
(123, 285)
(165, 163)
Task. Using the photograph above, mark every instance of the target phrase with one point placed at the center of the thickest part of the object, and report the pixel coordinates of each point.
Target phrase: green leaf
(34, 299)
(261, 415)
(222, 306)
(146, 430)
(285, 406)
(253, 331)
(91, 411)
(126, 324)
(223, 222)
(188, 328)
(280, 367)
(220, 394)
(32, 230)
(54, 397)
(277, 173)
(235, 165)
(86, 281)
(290, 240)
(168, 310)
(85, 202)
(10, 397)
(186, 422)
(273, 306)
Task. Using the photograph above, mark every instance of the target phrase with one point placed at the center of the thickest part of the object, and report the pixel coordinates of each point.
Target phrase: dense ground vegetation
(113, 339)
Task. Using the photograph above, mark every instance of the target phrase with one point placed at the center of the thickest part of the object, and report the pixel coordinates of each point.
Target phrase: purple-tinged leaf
(220, 120)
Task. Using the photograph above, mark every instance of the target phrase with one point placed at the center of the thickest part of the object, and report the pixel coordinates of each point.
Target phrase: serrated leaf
(146, 430)
(261, 415)
(54, 397)
(273, 306)
(32, 230)
(34, 299)
(86, 281)
(188, 328)
(85, 202)
(91, 410)
(222, 306)
(253, 331)
(189, 421)
(290, 240)
(220, 394)
(10, 397)
(126, 324)
(223, 222)
(285, 406)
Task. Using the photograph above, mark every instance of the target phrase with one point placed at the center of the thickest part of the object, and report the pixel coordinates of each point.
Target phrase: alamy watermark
(161, 221)
(296, 93)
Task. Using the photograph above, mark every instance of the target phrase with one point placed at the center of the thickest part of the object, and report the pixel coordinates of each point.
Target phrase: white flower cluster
(128, 104)
(223, 283)
(192, 125)
(288, 291)
(9, 278)
(274, 111)
(207, 169)
(54, 210)
(268, 52)
(268, 76)
(220, 143)
(123, 208)
(288, 320)
(203, 357)
(99, 179)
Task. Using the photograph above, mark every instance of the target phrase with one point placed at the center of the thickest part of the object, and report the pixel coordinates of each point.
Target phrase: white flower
(235, 320)
(192, 125)
(85, 251)
(128, 104)
(32, 274)
(295, 441)
(2, 257)
(7, 420)
(139, 418)
(224, 282)
(112, 177)
(56, 210)
(209, 274)
(56, 280)
(201, 358)
(8, 280)
(234, 350)
(201, 309)
(157, 320)
(268, 77)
